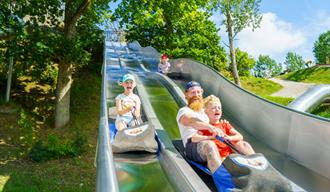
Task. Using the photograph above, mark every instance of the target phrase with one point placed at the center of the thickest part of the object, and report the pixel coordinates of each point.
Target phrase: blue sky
(287, 25)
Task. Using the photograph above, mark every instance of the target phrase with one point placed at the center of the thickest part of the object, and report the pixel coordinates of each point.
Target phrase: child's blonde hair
(211, 99)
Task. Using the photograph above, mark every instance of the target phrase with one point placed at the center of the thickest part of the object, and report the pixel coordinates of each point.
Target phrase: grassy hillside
(317, 75)
(264, 88)
(62, 173)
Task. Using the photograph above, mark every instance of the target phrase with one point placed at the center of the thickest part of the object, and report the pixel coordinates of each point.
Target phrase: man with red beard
(191, 119)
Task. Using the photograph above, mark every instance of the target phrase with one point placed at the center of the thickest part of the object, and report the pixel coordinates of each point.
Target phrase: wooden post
(10, 72)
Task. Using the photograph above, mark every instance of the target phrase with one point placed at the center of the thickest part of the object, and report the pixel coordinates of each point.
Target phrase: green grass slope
(316, 74)
(264, 88)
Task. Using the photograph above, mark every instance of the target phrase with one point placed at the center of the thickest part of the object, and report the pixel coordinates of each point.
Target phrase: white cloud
(274, 37)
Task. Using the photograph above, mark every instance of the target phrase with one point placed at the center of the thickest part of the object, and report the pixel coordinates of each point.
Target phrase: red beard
(196, 103)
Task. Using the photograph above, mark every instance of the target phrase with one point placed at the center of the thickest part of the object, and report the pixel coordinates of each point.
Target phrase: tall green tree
(244, 62)
(179, 28)
(238, 14)
(266, 67)
(294, 62)
(57, 33)
(321, 48)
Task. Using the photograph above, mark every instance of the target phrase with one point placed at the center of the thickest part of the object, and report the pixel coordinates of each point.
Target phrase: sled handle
(229, 144)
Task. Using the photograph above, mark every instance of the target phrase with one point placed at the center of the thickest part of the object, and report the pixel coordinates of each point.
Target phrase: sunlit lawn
(264, 88)
(316, 74)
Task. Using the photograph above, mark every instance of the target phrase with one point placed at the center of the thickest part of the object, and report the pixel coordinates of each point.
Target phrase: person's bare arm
(137, 112)
(234, 135)
(200, 137)
(188, 120)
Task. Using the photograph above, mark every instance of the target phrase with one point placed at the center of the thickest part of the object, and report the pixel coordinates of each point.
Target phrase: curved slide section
(312, 98)
(298, 137)
(301, 136)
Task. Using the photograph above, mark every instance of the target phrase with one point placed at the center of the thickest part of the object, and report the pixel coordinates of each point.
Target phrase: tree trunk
(64, 79)
(168, 29)
(63, 87)
(232, 49)
(10, 73)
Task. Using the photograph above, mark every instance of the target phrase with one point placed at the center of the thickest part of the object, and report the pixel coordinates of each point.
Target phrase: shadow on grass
(17, 173)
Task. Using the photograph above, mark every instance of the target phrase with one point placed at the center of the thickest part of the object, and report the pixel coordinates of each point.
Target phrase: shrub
(54, 148)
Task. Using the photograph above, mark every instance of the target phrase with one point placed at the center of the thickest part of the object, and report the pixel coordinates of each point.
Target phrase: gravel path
(291, 88)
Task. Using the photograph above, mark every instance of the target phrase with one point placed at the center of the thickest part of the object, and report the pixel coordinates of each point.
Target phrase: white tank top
(185, 131)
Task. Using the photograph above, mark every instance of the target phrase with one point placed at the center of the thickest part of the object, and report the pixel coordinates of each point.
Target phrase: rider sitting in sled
(213, 110)
(192, 119)
(127, 104)
(164, 65)
(237, 172)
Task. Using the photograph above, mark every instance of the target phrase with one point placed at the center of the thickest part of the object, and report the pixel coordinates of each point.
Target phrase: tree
(266, 67)
(244, 62)
(294, 62)
(321, 48)
(239, 14)
(179, 28)
(49, 37)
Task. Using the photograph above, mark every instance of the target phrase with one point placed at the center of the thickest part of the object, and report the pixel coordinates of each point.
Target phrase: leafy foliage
(244, 62)
(22, 175)
(50, 40)
(266, 67)
(294, 62)
(179, 28)
(322, 48)
(323, 110)
(243, 13)
(238, 14)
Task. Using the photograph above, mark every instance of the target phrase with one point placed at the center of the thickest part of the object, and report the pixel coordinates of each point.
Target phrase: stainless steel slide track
(276, 131)
(297, 144)
(160, 94)
(135, 172)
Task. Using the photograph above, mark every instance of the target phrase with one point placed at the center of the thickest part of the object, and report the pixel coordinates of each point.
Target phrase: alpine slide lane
(169, 172)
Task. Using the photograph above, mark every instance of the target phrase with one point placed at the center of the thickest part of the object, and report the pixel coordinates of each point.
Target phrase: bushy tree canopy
(179, 28)
(244, 62)
(322, 48)
(238, 14)
(37, 39)
(294, 62)
(46, 36)
(266, 67)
